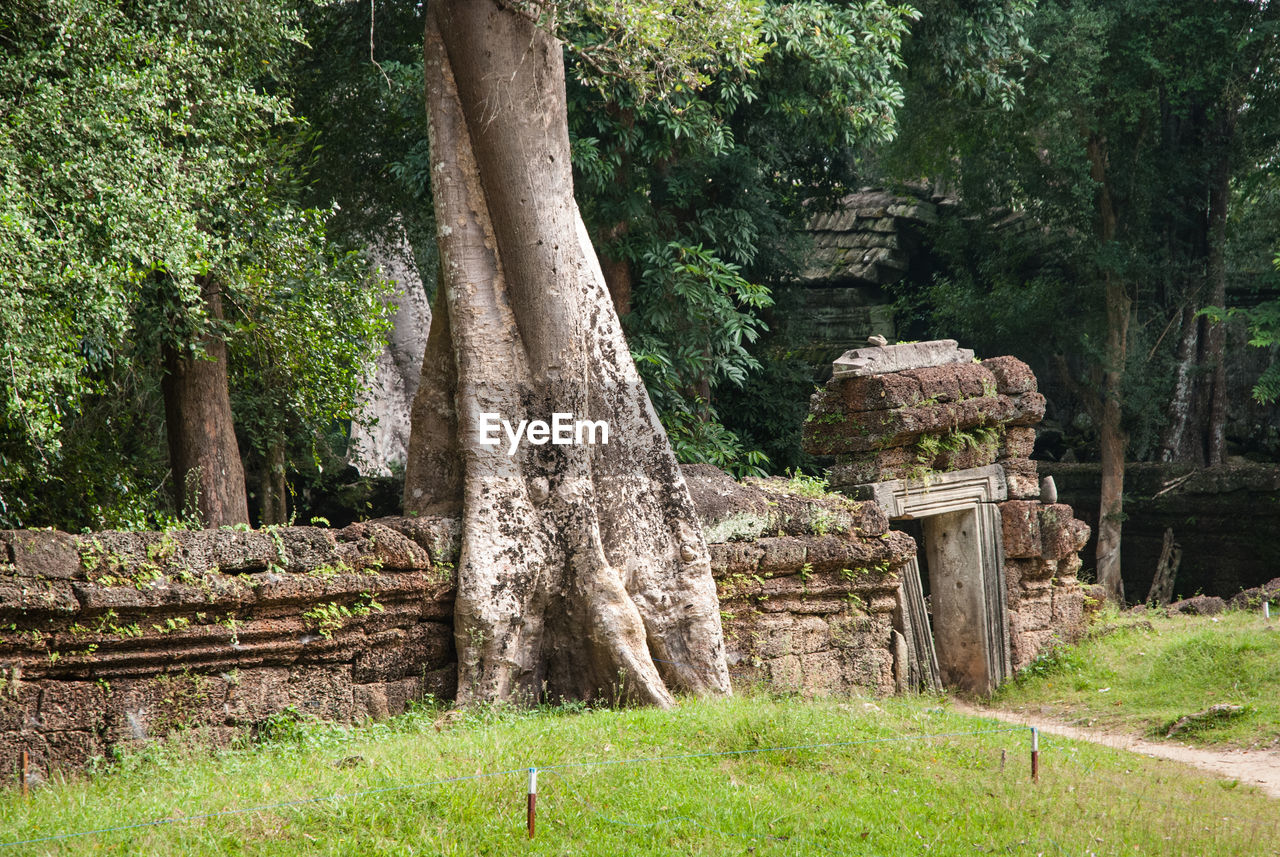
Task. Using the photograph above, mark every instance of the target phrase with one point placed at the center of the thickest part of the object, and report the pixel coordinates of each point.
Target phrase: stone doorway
(953, 615)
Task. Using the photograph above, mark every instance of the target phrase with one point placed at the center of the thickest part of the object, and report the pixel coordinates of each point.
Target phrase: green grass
(889, 793)
(1138, 673)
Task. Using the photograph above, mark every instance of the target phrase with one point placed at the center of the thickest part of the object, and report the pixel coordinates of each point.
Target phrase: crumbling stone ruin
(115, 638)
(940, 439)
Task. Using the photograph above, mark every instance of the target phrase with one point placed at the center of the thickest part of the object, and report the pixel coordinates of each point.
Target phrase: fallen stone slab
(895, 358)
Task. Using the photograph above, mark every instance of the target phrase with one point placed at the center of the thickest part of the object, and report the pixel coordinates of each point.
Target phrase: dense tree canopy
(1115, 161)
(145, 150)
(1113, 182)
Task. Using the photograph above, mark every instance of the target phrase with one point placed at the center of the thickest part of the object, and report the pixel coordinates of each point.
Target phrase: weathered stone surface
(895, 358)
(1252, 598)
(1018, 442)
(1020, 528)
(440, 537)
(729, 510)
(378, 546)
(44, 554)
(1199, 605)
(1012, 376)
(874, 430)
(1022, 478)
(1068, 609)
(862, 393)
(1061, 534)
(927, 386)
(1027, 644)
(394, 654)
(919, 426)
(22, 596)
(733, 511)
(954, 382)
(878, 466)
(916, 461)
(735, 557)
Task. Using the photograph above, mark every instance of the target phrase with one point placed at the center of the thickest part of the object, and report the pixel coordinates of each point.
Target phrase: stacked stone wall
(908, 424)
(808, 587)
(115, 638)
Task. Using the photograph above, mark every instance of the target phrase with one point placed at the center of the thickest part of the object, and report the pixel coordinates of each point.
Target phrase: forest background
(188, 198)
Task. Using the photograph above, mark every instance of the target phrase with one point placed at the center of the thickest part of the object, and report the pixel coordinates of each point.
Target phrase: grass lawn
(1139, 673)
(877, 788)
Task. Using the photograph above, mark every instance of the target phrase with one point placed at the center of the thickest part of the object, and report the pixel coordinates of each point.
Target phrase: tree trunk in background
(583, 570)
(617, 277)
(207, 472)
(1113, 440)
(1216, 335)
(273, 488)
(1178, 440)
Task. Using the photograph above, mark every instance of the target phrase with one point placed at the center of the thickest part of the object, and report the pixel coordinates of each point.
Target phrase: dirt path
(1259, 768)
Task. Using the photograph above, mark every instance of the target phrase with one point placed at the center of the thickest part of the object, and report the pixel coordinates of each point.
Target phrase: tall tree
(583, 568)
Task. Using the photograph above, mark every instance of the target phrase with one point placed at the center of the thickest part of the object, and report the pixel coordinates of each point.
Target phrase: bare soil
(1259, 768)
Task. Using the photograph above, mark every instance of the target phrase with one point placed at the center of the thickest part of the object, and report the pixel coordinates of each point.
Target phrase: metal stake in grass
(1266, 609)
(533, 796)
(1035, 755)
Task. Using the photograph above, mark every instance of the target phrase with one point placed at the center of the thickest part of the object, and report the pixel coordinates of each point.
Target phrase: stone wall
(808, 585)
(1226, 520)
(116, 638)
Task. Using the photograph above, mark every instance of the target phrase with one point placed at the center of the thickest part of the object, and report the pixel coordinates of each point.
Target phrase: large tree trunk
(207, 472)
(583, 570)
(1113, 440)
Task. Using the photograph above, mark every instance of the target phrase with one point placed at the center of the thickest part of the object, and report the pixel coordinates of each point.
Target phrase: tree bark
(1216, 335)
(203, 453)
(1112, 438)
(273, 488)
(1176, 445)
(1161, 592)
(583, 570)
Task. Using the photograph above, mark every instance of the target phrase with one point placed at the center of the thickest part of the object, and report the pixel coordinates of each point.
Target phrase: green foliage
(805, 485)
(700, 194)
(329, 618)
(360, 87)
(697, 436)
(1264, 332)
(656, 47)
(1143, 673)
(1158, 88)
(692, 324)
(144, 148)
